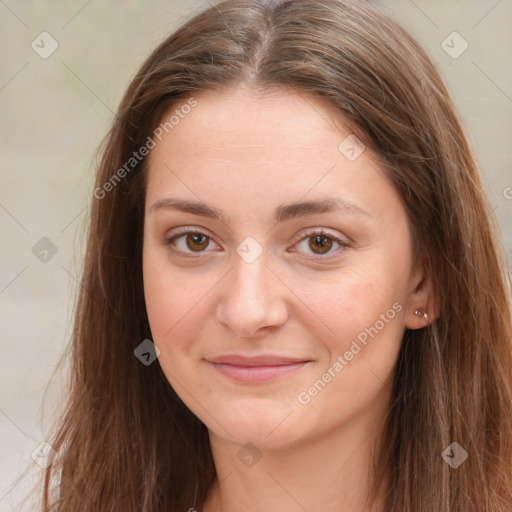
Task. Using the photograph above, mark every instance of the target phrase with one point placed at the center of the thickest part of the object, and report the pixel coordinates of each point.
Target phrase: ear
(423, 303)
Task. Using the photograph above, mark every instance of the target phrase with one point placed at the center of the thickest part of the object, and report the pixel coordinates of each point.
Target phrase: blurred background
(63, 69)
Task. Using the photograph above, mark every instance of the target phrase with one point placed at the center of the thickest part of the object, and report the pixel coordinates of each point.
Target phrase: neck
(333, 473)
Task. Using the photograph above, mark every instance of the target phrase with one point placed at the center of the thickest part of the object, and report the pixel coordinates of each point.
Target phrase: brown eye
(188, 243)
(197, 241)
(320, 244)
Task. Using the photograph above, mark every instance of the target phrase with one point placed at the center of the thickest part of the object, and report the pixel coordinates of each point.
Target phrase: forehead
(240, 148)
(234, 119)
(241, 129)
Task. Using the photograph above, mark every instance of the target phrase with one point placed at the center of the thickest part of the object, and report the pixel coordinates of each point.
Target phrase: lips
(257, 368)
(265, 360)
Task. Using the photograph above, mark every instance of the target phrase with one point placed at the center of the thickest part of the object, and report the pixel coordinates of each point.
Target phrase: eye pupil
(321, 242)
(196, 241)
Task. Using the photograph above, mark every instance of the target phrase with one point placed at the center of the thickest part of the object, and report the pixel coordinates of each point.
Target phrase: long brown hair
(126, 441)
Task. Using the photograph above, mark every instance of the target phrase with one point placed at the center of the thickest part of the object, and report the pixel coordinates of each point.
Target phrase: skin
(246, 154)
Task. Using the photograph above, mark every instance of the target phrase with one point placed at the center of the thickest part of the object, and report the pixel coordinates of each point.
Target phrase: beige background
(55, 111)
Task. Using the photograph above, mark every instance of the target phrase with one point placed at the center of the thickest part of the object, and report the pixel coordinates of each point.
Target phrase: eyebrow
(283, 213)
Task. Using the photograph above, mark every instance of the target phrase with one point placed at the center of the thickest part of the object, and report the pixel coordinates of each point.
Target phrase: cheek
(365, 311)
(351, 302)
(175, 301)
(170, 291)
(176, 314)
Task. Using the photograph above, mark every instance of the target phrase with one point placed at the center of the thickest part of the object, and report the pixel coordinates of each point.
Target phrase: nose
(252, 299)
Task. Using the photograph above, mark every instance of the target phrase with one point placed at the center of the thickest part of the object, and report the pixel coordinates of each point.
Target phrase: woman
(288, 215)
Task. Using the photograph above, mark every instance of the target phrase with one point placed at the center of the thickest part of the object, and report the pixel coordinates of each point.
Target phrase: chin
(266, 427)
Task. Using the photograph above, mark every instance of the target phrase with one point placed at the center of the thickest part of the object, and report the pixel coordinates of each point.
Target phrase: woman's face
(277, 269)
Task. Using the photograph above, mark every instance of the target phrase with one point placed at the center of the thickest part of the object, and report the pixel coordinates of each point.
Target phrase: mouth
(257, 369)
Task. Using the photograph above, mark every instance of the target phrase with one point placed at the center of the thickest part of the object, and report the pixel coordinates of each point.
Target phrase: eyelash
(344, 244)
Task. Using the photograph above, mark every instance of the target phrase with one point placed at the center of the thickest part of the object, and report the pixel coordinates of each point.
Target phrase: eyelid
(183, 230)
(344, 240)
